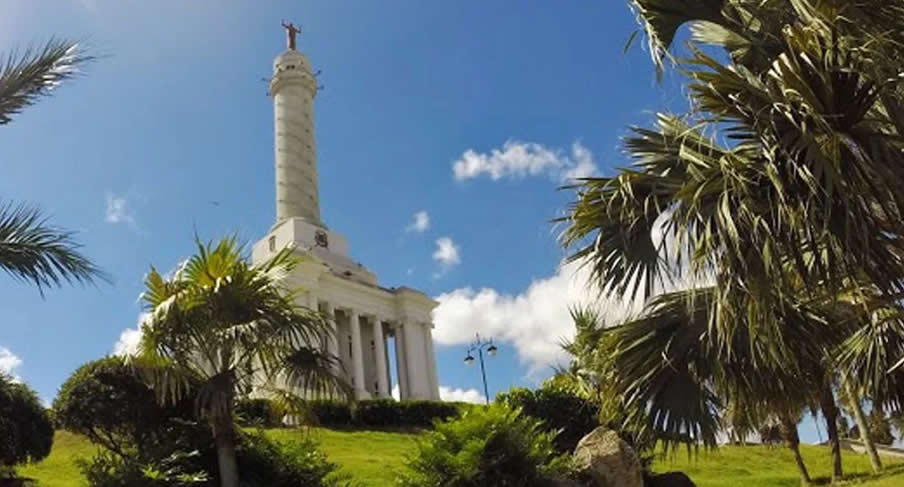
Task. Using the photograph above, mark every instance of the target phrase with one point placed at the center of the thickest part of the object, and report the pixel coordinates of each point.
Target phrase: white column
(401, 362)
(379, 352)
(387, 373)
(357, 355)
(312, 304)
(411, 365)
(333, 344)
(293, 88)
(431, 362)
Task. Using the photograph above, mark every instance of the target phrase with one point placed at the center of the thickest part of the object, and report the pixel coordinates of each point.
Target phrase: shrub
(107, 469)
(488, 446)
(267, 463)
(104, 401)
(262, 463)
(382, 413)
(424, 413)
(559, 409)
(258, 412)
(26, 430)
(379, 413)
(331, 413)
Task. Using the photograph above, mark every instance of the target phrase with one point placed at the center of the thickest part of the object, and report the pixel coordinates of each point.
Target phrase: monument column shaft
(401, 362)
(431, 363)
(333, 343)
(380, 351)
(412, 364)
(293, 88)
(357, 355)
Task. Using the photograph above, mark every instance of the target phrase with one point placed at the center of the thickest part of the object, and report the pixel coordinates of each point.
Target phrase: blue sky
(470, 111)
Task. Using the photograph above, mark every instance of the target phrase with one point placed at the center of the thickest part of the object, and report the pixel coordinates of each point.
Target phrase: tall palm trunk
(830, 413)
(789, 434)
(224, 437)
(862, 425)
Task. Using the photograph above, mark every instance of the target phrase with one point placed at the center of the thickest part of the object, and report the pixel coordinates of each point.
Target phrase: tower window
(272, 243)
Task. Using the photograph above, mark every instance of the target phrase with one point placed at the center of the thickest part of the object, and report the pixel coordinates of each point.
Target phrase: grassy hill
(373, 457)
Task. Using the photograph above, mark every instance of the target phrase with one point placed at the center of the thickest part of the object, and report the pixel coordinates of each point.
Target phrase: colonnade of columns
(367, 368)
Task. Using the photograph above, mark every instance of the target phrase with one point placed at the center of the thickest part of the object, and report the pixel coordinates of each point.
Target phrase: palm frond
(27, 76)
(33, 250)
(234, 329)
(310, 373)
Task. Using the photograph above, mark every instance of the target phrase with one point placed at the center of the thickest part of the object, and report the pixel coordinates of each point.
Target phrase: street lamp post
(478, 346)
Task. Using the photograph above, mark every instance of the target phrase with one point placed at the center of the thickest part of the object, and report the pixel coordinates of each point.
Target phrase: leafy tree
(26, 430)
(105, 401)
(486, 446)
(221, 326)
(31, 249)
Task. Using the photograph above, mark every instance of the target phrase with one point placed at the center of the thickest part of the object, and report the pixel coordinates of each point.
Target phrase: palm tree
(221, 327)
(678, 380)
(782, 186)
(807, 173)
(31, 249)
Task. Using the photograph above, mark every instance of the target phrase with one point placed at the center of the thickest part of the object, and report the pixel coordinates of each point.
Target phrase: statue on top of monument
(291, 30)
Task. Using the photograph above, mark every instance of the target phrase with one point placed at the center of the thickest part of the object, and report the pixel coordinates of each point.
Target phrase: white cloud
(534, 322)
(129, 338)
(420, 224)
(450, 394)
(9, 362)
(118, 210)
(446, 254)
(519, 159)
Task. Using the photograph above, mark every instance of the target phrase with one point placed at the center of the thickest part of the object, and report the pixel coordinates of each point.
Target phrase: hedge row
(377, 413)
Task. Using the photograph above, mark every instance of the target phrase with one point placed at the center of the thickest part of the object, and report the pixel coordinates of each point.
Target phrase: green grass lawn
(762, 466)
(59, 469)
(373, 458)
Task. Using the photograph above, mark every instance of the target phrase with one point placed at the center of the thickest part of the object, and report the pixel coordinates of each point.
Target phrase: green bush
(262, 463)
(331, 413)
(494, 446)
(107, 469)
(378, 413)
(104, 401)
(258, 412)
(26, 430)
(424, 413)
(559, 409)
(382, 413)
(267, 463)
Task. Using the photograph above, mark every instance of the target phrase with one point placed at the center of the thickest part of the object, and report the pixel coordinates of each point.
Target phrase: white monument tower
(363, 314)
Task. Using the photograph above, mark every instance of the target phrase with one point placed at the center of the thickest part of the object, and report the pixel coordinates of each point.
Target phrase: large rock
(608, 460)
(670, 479)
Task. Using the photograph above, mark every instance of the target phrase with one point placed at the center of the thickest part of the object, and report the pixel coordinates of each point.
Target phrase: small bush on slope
(26, 430)
(494, 446)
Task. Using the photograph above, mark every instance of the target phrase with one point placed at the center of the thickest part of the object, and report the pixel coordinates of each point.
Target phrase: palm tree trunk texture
(789, 433)
(224, 436)
(830, 413)
(863, 426)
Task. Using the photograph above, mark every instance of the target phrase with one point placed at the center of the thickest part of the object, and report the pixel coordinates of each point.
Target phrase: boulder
(608, 460)
(670, 479)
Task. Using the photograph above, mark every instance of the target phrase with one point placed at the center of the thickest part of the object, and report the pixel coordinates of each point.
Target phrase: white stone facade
(363, 314)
